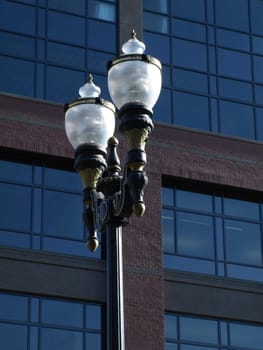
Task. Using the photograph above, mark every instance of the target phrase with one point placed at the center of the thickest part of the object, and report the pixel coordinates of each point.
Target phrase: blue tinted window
(156, 23)
(191, 9)
(256, 7)
(259, 121)
(158, 5)
(241, 209)
(243, 242)
(191, 110)
(234, 64)
(17, 77)
(246, 336)
(14, 335)
(168, 231)
(198, 330)
(13, 307)
(258, 45)
(228, 16)
(232, 40)
(76, 6)
(189, 55)
(193, 200)
(17, 45)
(17, 17)
(101, 10)
(93, 317)
(101, 36)
(58, 339)
(189, 80)
(235, 89)
(93, 341)
(15, 171)
(69, 30)
(188, 30)
(170, 326)
(66, 55)
(97, 61)
(194, 235)
(258, 69)
(62, 179)
(236, 119)
(62, 214)
(162, 110)
(62, 313)
(159, 46)
(15, 203)
(167, 196)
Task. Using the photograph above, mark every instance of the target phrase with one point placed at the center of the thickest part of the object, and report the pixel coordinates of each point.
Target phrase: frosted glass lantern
(90, 120)
(134, 77)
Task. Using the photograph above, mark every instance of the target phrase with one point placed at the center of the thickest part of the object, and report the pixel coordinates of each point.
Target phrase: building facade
(193, 265)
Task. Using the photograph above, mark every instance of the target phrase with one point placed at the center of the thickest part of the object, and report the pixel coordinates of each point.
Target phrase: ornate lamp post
(134, 82)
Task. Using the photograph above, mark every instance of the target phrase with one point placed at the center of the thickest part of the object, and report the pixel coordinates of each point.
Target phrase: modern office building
(193, 265)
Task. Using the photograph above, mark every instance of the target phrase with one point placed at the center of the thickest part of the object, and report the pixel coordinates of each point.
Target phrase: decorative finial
(133, 45)
(89, 89)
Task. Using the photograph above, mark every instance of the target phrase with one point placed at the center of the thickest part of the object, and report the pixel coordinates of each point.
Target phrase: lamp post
(134, 82)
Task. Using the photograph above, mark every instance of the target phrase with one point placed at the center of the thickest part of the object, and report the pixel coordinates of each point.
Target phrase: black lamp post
(134, 82)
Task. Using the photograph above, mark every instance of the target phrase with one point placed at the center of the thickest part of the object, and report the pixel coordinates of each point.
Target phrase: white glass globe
(134, 77)
(90, 120)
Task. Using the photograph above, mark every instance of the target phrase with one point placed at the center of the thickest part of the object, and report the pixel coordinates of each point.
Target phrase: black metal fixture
(134, 82)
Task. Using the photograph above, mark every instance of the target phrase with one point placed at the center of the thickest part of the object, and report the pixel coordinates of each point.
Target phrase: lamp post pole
(110, 198)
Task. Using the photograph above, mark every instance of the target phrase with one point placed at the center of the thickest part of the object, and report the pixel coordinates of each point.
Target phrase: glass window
(236, 119)
(15, 207)
(235, 89)
(17, 77)
(159, 46)
(93, 341)
(101, 36)
(199, 330)
(62, 214)
(163, 108)
(67, 180)
(234, 64)
(66, 55)
(101, 10)
(188, 30)
(243, 242)
(156, 23)
(17, 45)
(167, 196)
(93, 317)
(189, 55)
(15, 171)
(193, 200)
(13, 307)
(241, 209)
(258, 69)
(70, 28)
(232, 40)
(246, 336)
(190, 9)
(14, 335)
(61, 339)
(191, 110)
(168, 231)
(76, 6)
(257, 45)
(188, 80)
(228, 16)
(259, 121)
(256, 7)
(17, 17)
(194, 235)
(63, 313)
(97, 61)
(157, 5)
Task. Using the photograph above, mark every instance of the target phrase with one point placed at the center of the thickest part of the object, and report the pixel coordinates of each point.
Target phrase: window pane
(239, 336)
(17, 77)
(15, 171)
(256, 7)
(191, 110)
(241, 209)
(13, 335)
(257, 45)
(232, 40)
(101, 10)
(15, 207)
(162, 110)
(235, 89)
(160, 46)
(93, 317)
(67, 180)
(191, 9)
(168, 231)
(199, 330)
(167, 196)
(76, 6)
(17, 17)
(189, 55)
(70, 28)
(101, 36)
(13, 307)
(170, 326)
(228, 16)
(234, 64)
(156, 23)
(97, 61)
(63, 214)
(193, 200)
(243, 242)
(157, 5)
(188, 30)
(194, 235)
(236, 119)
(170, 346)
(258, 69)
(93, 341)
(66, 55)
(17, 45)
(259, 116)
(188, 80)
(60, 339)
(62, 313)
